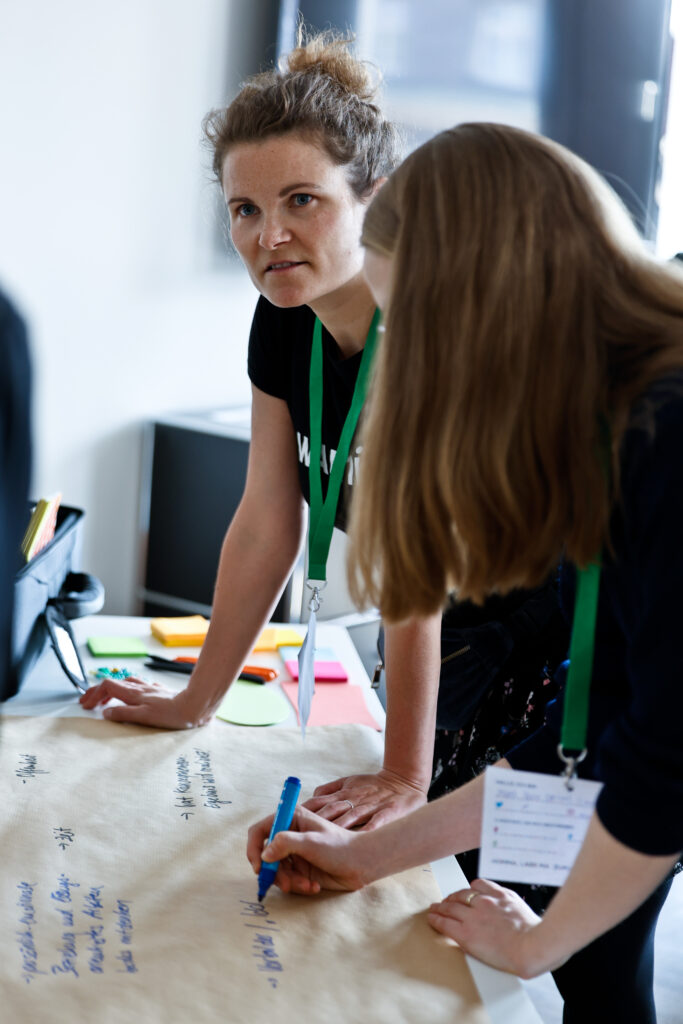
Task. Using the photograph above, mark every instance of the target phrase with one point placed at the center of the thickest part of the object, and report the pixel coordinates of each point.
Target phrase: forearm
(413, 662)
(446, 826)
(256, 560)
(607, 883)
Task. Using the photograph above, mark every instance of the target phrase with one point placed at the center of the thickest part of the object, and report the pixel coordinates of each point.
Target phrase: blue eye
(301, 199)
(246, 210)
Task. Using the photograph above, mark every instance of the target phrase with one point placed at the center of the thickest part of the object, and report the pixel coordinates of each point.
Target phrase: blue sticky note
(321, 653)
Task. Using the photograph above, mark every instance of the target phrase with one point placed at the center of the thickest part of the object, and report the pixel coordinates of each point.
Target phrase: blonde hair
(525, 318)
(319, 90)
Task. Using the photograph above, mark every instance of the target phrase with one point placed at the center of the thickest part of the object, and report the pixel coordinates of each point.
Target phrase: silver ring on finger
(349, 803)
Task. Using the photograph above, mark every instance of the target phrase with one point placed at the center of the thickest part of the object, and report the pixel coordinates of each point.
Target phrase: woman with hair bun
(299, 154)
(531, 377)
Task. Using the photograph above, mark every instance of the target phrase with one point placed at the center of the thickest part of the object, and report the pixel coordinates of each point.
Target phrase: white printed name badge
(533, 826)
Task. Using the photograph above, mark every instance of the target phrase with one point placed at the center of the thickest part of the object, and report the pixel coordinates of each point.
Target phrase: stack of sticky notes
(337, 704)
(41, 527)
(180, 631)
(326, 667)
(274, 637)
(116, 647)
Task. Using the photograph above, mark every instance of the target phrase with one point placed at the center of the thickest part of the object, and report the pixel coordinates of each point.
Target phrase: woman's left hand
(492, 924)
(365, 802)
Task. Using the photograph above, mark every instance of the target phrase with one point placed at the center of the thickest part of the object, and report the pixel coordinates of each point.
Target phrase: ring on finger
(349, 803)
(470, 896)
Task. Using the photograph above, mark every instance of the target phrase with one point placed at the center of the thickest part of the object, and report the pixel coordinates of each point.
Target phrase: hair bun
(319, 89)
(328, 53)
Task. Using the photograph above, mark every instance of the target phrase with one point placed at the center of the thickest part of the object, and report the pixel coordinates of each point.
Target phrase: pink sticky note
(335, 705)
(325, 671)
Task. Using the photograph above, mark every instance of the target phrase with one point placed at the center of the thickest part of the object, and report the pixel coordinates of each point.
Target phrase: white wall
(107, 241)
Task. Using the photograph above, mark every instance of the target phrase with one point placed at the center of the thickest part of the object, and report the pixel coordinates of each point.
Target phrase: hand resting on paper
(314, 855)
(146, 703)
(495, 926)
(377, 799)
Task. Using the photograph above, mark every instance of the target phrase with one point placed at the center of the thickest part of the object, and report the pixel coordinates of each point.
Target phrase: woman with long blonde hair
(531, 380)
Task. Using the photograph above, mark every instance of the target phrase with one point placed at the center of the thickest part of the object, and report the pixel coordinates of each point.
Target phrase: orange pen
(267, 674)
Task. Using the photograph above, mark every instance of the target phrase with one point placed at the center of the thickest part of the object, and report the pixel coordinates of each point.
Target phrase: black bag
(47, 593)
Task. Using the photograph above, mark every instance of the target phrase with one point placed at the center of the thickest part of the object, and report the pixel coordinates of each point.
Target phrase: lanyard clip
(315, 599)
(570, 764)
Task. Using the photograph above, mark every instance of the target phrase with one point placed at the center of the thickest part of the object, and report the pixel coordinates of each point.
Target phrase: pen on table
(250, 673)
(169, 665)
(266, 674)
(281, 822)
(185, 669)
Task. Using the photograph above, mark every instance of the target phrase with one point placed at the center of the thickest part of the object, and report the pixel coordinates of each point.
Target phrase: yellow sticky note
(180, 631)
(266, 641)
(273, 637)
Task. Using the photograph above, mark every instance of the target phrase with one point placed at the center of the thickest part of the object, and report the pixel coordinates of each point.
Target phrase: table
(48, 692)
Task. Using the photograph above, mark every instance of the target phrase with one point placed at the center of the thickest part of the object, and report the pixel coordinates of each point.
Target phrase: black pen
(156, 661)
(187, 667)
(251, 677)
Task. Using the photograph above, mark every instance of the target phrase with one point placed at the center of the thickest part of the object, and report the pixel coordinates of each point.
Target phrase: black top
(14, 467)
(279, 363)
(635, 739)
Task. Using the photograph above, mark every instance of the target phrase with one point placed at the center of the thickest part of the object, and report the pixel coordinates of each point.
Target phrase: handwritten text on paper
(94, 933)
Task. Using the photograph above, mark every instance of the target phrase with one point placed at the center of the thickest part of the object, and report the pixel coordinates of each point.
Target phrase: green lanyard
(577, 691)
(323, 512)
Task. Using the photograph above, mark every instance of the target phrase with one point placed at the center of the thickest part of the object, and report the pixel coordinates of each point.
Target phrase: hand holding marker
(281, 822)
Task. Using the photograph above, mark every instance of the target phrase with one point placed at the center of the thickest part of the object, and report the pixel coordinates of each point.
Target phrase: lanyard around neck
(582, 644)
(577, 690)
(323, 512)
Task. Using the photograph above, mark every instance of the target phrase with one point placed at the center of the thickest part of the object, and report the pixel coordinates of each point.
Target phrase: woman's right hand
(146, 703)
(314, 854)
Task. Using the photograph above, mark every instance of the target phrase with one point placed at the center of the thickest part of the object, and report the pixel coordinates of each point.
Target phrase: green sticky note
(253, 704)
(116, 647)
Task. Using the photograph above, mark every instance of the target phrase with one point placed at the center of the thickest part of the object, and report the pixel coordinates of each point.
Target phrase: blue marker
(282, 821)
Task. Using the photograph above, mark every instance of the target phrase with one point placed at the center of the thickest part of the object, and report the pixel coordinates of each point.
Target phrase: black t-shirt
(279, 364)
(635, 729)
